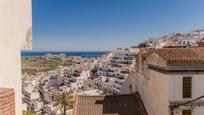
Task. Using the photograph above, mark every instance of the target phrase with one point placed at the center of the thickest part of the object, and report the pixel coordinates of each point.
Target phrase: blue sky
(90, 25)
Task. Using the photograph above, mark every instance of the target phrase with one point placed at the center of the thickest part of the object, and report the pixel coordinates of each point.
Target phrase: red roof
(182, 55)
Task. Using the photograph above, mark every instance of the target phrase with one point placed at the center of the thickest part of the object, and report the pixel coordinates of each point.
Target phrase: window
(186, 112)
(187, 87)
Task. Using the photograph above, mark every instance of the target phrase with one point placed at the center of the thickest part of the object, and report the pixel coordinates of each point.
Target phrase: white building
(191, 43)
(54, 80)
(27, 88)
(37, 106)
(15, 35)
(32, 101)
(113, 85)
(108, 70)
(123, 57)
(50, 94)
(75, 79)
(50, 109)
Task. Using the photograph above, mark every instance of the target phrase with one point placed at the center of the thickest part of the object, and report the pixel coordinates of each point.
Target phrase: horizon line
(64, 51)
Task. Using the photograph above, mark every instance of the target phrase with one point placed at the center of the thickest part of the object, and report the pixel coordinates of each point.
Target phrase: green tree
(64, 101)
(106, 92)
(94, 70)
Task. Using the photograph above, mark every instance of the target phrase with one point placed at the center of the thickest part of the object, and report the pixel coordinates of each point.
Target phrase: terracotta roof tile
(182, 55)
(110, 105)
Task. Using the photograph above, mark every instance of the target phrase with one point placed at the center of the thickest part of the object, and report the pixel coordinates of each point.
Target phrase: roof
(110, 105)
(188, 56)
(179, 56)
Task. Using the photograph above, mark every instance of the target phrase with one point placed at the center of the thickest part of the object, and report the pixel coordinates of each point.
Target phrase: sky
(104, 25)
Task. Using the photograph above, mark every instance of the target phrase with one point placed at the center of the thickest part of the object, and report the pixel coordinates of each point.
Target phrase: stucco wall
(156, 60)
(175, 86)
(15, 34)
(125, 88)
(176, 82)
(198, 111)
(158, 90)
(154, 91)
(15, 24)
(195, 111)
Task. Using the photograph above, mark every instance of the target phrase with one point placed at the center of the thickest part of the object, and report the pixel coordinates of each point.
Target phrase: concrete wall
(15, 34)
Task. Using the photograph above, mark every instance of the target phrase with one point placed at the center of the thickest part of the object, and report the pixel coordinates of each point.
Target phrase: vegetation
(64, 101)
(106, 92)
(29, 71)
(31, 65)
(31, 113)
(94, 70)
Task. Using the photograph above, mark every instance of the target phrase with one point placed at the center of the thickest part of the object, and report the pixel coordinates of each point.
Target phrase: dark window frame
(187, 87)
(187, 112)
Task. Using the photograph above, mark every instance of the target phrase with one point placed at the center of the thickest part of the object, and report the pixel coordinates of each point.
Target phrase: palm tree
(64, 101)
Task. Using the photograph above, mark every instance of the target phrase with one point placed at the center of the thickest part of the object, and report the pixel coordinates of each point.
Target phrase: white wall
(198, 111)
(175, 86)
(176, 82)
(15, 34)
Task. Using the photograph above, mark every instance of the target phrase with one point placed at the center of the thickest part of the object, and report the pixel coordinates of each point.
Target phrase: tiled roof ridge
(190, 53)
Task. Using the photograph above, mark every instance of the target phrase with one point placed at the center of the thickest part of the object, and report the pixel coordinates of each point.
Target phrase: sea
(83, 54)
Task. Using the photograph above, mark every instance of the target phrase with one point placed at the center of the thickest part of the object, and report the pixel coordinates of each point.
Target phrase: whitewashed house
(75, 79)
(123, 57)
